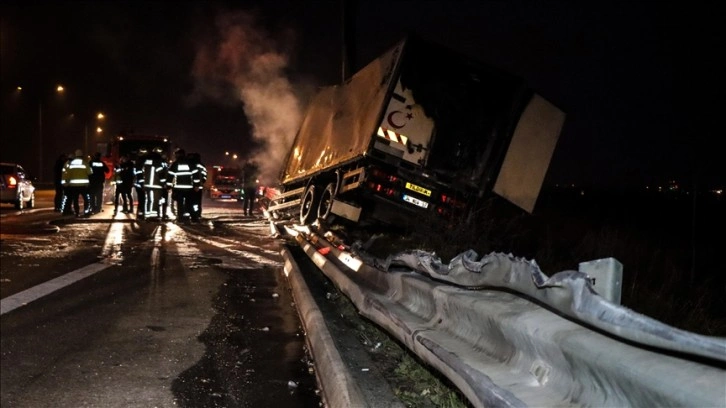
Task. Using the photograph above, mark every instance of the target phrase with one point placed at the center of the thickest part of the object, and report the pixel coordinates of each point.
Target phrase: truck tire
(308, 205)
(326, 201)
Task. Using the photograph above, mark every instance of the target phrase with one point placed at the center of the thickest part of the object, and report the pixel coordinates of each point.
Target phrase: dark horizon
(639, 81)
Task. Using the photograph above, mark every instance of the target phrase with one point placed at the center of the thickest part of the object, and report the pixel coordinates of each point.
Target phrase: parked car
(16, 187)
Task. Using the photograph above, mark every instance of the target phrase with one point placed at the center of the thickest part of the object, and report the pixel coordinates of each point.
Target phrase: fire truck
(129, 145)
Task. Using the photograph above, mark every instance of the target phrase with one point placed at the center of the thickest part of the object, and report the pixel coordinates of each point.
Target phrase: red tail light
(452, 202)
(380, 174)
(12, 182)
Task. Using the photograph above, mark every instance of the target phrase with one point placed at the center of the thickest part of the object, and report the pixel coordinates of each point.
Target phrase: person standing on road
(60, 163)
(96, 180)
(165, 192)
(181, 180)
(249, 185)
(155, 174)
(75, 182)
(139, 183)
(195, 161)
(124, 180)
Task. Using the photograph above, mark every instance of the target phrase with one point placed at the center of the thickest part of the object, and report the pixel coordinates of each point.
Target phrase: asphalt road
(119, 313)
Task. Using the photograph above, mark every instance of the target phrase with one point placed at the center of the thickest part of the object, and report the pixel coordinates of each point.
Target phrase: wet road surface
(196, 315)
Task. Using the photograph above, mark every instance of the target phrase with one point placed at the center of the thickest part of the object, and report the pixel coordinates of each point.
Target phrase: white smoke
(245, 57)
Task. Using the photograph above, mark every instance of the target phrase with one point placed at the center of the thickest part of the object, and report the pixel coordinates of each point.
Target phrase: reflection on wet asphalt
(143, 328)
(255, 350)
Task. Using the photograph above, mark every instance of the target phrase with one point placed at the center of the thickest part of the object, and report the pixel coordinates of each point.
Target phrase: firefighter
(58, 167)
(182, 181)
(96, 180)
(75, 182)
(249, 185)
(166, 199)
(195, 161)
(124, 181)
(139, 183)
(155, 174)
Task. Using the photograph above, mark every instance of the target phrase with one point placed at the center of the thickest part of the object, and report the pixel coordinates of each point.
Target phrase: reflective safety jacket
(98, 169)
(124, 175)
(202, 171)
(76, 173)
(139, 171)
(197, 164)
(154, 172)
(183, 176)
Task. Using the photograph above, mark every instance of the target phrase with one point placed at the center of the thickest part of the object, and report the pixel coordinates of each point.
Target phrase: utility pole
(40, 141)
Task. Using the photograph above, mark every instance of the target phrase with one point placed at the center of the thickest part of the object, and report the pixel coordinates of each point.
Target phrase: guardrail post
(606, 276)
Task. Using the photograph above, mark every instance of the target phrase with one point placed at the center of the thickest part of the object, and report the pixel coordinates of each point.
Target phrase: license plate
(415, 201)
(226, 196)
(418, 189)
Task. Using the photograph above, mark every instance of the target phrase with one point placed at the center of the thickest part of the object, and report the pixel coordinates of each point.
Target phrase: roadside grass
(414, 383)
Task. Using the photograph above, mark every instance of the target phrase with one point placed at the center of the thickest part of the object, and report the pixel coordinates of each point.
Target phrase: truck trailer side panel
(422, 131)
(341, 120)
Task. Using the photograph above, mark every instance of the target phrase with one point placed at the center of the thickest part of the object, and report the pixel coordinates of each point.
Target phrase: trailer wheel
(326, 201)
(308, 205)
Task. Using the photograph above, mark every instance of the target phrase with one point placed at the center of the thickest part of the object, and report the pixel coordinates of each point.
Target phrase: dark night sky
(641, 82)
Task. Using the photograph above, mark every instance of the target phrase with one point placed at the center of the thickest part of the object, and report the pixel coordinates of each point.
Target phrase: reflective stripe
(392, 136)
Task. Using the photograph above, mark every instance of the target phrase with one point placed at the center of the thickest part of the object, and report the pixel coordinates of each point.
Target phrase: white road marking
(111, 253)
(36, 292)
(113, 256)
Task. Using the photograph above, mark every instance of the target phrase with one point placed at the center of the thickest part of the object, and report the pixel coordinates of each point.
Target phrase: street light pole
(40, 141)
(99, 116)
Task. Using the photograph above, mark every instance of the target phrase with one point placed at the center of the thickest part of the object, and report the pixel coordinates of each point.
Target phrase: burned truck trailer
(421, 131)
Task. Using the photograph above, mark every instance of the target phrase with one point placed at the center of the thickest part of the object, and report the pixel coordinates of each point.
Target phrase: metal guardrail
(505, 348)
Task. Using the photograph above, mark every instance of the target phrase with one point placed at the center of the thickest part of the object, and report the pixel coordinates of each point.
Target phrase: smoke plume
(244, 59)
